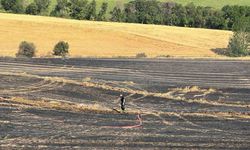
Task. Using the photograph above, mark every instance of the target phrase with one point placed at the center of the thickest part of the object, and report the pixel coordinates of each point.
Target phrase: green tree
(180, 16)
(199, 20)
(15, 6)
(116, 15)
(26, 49)
(8, 4)
(239, 44)
(215, 19)
(232, 13)
(154, 12)
(102, 12)
(148, 11)
(129, 12)
(42, 5)
(61, 49)
(91, 11)
(167, 10)
(78, 9)
(61, 9)
(190, 14)
(32, 9)
(140, 10)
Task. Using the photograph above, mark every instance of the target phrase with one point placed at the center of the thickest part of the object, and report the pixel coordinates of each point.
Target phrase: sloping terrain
(73, 104)
(105, 39)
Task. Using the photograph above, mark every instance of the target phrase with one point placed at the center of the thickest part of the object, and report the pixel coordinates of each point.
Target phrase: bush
(61, 49)
(141, 55)
(26, 49)
(239, 44)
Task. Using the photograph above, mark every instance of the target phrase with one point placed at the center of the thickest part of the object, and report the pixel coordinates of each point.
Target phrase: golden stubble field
(105, 39)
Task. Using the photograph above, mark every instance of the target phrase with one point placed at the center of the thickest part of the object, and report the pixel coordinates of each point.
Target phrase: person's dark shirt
(122, 100)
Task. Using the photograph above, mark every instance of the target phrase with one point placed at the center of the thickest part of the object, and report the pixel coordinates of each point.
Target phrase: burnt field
(69, 104)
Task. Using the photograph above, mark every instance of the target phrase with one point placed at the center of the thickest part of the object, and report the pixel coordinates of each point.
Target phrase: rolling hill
(106, 39)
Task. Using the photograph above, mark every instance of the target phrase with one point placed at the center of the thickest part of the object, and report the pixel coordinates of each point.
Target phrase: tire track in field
(157, 113)
(143, 75)
(192, 77)
(44, 85)
(108, 87)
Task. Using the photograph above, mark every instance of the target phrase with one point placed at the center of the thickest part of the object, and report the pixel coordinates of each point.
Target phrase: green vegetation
(15, 6)
(61, 9)
(239, 44)
(61, 49)
(210, 3)
(116, 15)
(91, 11)
(26, 49)
(32, 9)
(102, 12)
(213, 3)
(135, 11)
(42, 5)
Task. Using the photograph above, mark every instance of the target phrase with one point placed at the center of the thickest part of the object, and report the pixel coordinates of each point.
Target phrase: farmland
(68, 103)
(106, 39)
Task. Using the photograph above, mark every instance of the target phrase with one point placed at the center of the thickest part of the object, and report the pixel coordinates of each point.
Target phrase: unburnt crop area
(74, 104)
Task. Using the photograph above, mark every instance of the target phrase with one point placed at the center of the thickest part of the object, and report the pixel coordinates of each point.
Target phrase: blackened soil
(216, 119)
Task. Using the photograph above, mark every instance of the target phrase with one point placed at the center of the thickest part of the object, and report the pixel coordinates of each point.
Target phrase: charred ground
(62, 104)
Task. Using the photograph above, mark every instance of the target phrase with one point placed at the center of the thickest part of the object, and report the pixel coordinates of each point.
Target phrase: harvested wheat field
(105, 39)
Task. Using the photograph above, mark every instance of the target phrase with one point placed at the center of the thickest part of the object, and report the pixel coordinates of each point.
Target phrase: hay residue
(189, 89)
(170, 94)
(56, 104)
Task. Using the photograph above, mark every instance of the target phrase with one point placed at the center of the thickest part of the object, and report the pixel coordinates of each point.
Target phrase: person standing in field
(122, 100)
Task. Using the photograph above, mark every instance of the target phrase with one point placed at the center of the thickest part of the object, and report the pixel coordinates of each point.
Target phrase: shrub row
(28, 49)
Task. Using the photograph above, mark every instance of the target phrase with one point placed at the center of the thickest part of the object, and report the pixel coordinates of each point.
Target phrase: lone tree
(61, 49)
(26, 49)
(239, 44)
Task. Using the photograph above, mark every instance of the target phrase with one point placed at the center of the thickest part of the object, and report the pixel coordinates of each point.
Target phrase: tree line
(137, 11)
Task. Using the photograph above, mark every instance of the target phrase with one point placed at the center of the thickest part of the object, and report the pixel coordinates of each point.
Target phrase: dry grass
(80, 107)
(188, 89)
(56, 104)
(227, 115)
(105, 39)
(168, 95)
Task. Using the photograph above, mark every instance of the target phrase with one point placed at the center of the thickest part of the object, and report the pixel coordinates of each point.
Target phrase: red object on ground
(139, 118)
